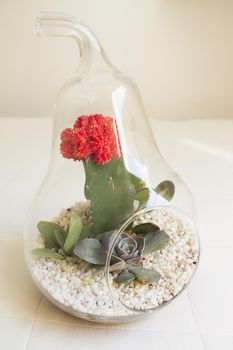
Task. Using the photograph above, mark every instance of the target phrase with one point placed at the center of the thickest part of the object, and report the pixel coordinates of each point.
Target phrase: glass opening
(151, 258)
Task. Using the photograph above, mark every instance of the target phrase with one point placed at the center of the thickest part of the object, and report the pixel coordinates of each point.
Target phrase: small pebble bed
(80, 287)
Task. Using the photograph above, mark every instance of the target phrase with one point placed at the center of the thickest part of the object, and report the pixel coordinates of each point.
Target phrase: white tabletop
(201, 318)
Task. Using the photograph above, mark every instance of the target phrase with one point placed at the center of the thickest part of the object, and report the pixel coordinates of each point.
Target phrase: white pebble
(75, 284)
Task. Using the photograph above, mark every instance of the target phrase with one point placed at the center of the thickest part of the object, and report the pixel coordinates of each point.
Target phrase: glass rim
(113, 241)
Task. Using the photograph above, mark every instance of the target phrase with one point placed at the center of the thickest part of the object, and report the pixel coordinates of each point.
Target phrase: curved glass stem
(63, 25)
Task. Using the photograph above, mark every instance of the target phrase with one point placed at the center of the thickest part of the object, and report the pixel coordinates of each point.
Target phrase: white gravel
(77, 285)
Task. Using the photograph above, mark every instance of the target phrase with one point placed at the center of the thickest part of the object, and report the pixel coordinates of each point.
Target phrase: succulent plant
(127, 257)
(128, 252)
(56, 238)
(129, 249)
(95, 250)
(165, 189)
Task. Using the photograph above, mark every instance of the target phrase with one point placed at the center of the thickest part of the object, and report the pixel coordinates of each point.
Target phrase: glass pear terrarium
(110, 235)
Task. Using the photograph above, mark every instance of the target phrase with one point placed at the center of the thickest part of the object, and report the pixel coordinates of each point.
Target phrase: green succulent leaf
(155, 241)
(91, 251)
(142, 196)
(48, 230)
(74, 233)
(145, 276)
(60, 238)
(46, 253)
(137, 182)
(145, 228)
(166, 189)
(124, 277)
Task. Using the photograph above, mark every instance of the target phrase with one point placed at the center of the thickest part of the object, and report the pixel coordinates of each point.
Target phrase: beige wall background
(180, 53)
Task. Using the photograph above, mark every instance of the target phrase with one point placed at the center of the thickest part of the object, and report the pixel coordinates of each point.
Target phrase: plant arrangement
(130, 249)
(114, 194)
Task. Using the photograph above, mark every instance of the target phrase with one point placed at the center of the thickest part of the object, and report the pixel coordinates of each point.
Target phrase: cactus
(110, 191)
(110, 187)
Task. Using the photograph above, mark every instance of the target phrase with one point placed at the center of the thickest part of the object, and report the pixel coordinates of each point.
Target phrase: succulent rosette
(129, 249)
(128, 253)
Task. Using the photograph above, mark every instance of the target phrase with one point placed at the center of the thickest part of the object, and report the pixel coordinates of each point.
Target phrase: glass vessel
(111, 234)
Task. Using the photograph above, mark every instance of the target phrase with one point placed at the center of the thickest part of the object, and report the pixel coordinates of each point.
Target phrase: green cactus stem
(110, 191)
